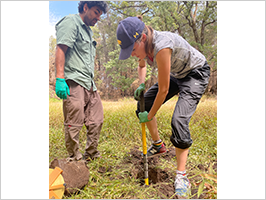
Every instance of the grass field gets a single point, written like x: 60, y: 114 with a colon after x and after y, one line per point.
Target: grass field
x: 121, y: 132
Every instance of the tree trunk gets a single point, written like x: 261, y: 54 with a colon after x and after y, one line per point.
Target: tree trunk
x: 202, y: 38
x: 193, y: 24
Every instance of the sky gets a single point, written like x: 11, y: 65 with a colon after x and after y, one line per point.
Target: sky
x: 59, y: 9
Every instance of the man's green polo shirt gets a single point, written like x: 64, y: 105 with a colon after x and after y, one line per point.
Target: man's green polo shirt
x: 79, y: 58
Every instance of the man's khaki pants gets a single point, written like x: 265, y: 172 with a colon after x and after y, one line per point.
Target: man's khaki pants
x: 82, y: 107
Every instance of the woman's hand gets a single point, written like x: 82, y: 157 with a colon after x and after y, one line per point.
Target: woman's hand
x: 143, y: 117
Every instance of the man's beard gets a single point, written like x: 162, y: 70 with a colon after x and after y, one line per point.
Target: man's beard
x: 90, y: 22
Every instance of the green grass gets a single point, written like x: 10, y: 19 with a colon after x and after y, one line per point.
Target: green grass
x: 121, y: 132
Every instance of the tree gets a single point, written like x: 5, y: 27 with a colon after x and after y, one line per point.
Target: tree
x: 52, y: 47
x: 195, y: 21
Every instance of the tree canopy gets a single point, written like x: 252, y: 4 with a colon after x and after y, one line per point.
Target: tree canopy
x: 195, y: 21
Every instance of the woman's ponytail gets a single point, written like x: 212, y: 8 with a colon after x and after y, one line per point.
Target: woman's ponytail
x: 148, y: 30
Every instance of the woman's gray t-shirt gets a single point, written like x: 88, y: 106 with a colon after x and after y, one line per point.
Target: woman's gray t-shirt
x: 184, y: 57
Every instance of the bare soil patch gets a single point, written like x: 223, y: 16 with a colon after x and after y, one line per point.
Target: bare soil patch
x: 161, y: 179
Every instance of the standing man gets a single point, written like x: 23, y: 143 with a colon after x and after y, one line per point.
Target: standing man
x: 75, y: 54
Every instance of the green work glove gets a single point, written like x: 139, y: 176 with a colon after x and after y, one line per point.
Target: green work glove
x: 138, y: 91
x: 61, y: 88
x: 143, y: 117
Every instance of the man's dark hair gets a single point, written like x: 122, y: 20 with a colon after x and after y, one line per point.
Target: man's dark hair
x: 101, y: 4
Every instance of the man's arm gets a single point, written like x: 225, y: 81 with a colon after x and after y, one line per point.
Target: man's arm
x: 61, y: 87
x: 60, y: 60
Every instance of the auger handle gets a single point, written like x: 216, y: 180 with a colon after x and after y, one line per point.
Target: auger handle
x: 144, y: 145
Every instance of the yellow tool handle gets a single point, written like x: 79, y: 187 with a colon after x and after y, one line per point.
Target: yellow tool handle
x: 145, y: 159
x: 144, y: 139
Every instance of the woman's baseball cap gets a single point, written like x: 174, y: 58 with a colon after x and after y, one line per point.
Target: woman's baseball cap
x: 128, y: 31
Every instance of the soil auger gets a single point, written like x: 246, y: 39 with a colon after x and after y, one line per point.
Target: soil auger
x: 144, y: 145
